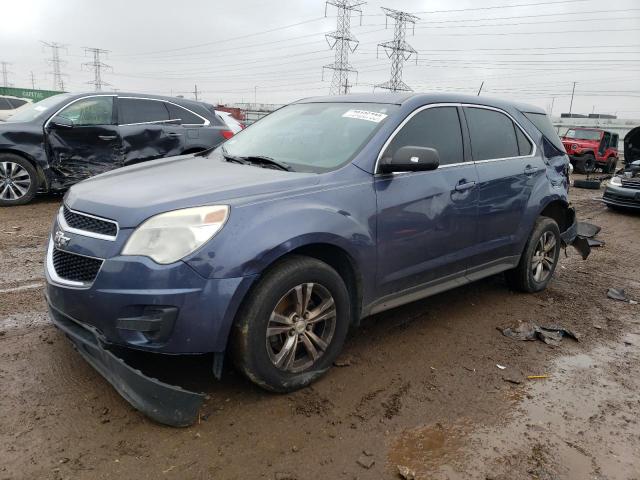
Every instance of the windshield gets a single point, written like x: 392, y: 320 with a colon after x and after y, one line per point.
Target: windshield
x: 311, y: 137
x: 583, y: 134
x: 38, y: 109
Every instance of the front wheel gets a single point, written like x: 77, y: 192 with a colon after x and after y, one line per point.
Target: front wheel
x: 18, y: 180
x: 539, y: 259
x: 586, y: 164
x: 293, y: 325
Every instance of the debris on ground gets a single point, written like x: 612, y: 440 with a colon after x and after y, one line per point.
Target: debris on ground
x: 588, y: 230
x: 343, y: 361
x: 620, y: 295
x: 501, y: 367
x: 406, y: 473
x: 516, y: 380
x: 537, y: 377
x: 549, y: 334
x: 365, y: 461
x: 594, y: 242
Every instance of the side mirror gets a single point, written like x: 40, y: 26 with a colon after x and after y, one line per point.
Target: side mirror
x: 411, y: 159
x: 60, y: 122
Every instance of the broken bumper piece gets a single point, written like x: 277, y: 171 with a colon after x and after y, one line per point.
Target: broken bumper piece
x: 167, y: 404
x: 572, y: 236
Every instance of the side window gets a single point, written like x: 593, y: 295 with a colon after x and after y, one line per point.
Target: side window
x: 438, y: 128
x: 492, y: 133
x: 90, y: 111
x: 16, y: 102
x: 184, y: 115
x: 135, y: 110
x: 524, y: 145
x: 5, y: 105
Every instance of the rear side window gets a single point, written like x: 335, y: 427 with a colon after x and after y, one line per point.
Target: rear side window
x: 16, y: 102
x: 185, y: 116
x: 438, y: 128
x: 5, y: 105
x: 544, y: 125
x: 524, y: 145
x: 134, y: 110
x: 493, y: 134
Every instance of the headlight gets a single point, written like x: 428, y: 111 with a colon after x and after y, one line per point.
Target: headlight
x: 617, y: 181
x: 168, y: 237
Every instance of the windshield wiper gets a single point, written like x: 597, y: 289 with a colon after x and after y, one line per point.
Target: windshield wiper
x: 259, y: 159
x: 234, y: 159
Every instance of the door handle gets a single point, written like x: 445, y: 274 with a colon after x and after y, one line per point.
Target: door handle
x: 107, y: 137
x: 529, y: 170
x: 174, y: 134
x: 462, y: 186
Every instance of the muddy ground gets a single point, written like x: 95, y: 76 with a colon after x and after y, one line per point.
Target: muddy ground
x: 419, y: 386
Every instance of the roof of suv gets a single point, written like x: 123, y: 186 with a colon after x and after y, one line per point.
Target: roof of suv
x: 423, y: 98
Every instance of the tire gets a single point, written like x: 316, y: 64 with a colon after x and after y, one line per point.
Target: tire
x: 611, y: 165
x: 18, y: 180
x: 524, y: 277
x: 273, y: 304
x: 586, y: 164
x: 589, y: 184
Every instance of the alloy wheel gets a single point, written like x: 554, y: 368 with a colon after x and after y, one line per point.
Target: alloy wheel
x: 544, y: 257
x: 301, y: 327
x: 15, y: 181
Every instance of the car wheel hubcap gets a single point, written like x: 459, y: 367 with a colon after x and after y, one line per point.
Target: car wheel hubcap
x: 301, y: 327
x: 544, y: 257
x: 15, y: 181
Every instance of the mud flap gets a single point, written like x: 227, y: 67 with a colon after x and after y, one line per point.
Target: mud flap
x: 164, y: 403
x: 571, y: 237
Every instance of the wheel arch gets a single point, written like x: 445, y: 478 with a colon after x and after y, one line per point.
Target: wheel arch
x: 558, y: 210
x: 42, y: 179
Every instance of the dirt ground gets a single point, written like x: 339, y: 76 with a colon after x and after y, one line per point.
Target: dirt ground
x: 419, y: 386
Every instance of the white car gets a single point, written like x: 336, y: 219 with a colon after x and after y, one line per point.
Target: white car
x: 10, y: 105
x: 234, y: 125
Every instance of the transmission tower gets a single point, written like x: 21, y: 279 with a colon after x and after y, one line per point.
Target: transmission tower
x: 97, y: 65
x: 5, y: 74
x: 398, y: 50
x: 56, y: 63
x: 343, y: 42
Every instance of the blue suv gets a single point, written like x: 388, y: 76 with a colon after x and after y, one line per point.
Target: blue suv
x: 272, y: 246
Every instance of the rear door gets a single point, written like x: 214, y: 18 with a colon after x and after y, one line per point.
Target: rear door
x: 508, y: 169
x: 145, y: 130
x: 196, y: 131
x: 426, y: 221
x: 90, y: 144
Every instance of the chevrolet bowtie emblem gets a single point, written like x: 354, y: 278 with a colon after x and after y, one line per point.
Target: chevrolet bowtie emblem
x: 60, y: 240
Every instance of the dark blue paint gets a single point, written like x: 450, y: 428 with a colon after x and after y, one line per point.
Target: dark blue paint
x: 401, y: 231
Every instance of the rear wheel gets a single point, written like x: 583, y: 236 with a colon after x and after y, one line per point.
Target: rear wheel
x: 611, y: 165
x: 586, y: 164
x: 293, y: 325
x: 18, y: 180
x: 539, y: 259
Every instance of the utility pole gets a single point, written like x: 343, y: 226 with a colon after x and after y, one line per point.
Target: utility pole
x: 398, y: 50
x: 343, y: 42
x: 480, y: 89
x: 255, y: 95
x: 33, y: 81
x: 5, y: 74
x: 573, y: 90
x: 195, y: 92
x: 97, y: 66
x: 553, y: 101
x: 58, y: 82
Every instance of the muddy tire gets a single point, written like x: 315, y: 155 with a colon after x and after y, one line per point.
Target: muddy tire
x: 588, y: 184
x: 292, y: 325
x: 586, y: 164
x: 18, y: 180
x: 539, y: 259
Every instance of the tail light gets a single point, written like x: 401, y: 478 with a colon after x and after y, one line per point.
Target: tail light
x: 227, y: 134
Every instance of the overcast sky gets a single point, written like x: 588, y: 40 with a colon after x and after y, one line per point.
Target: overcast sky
x: 275, y: 50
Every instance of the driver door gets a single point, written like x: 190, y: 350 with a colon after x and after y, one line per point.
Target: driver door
x: 83, y: 140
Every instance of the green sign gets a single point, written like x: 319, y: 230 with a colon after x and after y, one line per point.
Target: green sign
x: 34, y: 95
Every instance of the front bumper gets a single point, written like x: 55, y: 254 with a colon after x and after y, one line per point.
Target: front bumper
x: 164, y: 403
x: 621, y: 197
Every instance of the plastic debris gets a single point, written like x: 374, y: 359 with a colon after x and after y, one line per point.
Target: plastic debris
x: 620, y: 295
x: 588, y: 230
x: 536, y: 377
x: 406, y: 473
x: 549, y: 334
x: 594, y: 242
x: 501, y: 367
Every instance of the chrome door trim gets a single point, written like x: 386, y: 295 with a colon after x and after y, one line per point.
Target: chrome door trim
x: 205, y: 124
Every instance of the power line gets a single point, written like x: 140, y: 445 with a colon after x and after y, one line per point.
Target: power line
x: 343, y: 42
x: 5, y: 74
x: 97, y: 66
x: 58, y: 82
x: 398, y: 50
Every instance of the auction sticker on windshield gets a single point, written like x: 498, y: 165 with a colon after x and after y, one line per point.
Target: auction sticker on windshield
x: 365, y: 115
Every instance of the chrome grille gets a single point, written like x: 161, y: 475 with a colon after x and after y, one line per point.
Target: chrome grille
x: 90, y: 224
x: 633, y: 183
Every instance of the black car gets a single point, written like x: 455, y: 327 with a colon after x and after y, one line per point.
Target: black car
x: 66, y: 138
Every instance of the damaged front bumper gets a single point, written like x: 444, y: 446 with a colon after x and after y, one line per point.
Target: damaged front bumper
x: 571, y: 236
x: 164, y: 403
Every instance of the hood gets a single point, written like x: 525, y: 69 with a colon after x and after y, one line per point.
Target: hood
x: 632, y: 146
x: 132, y: 194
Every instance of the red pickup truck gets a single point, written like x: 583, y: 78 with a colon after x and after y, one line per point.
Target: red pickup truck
x: 591, y: 148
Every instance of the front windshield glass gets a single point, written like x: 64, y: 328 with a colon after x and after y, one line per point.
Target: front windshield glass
x: 583, y: 134
x: 37, y: 109
x: 311, y: 137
